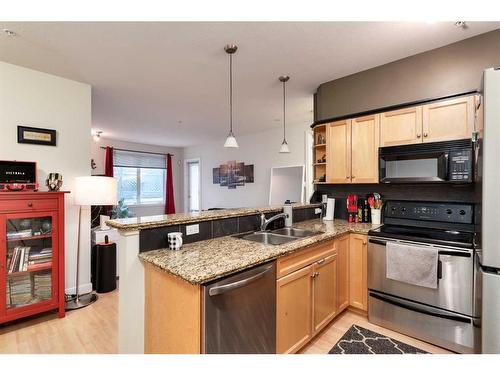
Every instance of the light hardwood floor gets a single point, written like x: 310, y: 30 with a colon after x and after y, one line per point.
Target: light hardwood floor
x: 94, y: 329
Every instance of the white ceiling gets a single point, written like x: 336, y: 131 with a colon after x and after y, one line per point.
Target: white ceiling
x: 166, y: 83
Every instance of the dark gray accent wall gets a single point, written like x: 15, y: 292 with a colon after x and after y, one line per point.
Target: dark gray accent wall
x: 449, y: 70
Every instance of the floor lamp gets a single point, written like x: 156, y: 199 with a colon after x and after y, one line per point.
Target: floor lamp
x: 90, y: 190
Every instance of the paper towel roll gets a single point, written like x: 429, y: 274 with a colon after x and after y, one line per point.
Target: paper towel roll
x: 330, y: 209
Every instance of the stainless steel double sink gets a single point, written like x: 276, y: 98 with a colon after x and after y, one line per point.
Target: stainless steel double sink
x: 277, y: 236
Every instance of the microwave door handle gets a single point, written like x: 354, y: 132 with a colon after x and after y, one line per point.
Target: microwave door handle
x: 447, y: 169
x: 440, y: 270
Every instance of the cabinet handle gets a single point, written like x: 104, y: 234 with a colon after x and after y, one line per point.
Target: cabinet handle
x: 347, y: 177
x: 30, y: 204
x: 425, y: 135
x: 364, y: 242
x: 419, y: 135
x: 320, y: 261
x: 353, y: 176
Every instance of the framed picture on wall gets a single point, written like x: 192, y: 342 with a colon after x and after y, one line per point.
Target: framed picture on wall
x: 36, y: 136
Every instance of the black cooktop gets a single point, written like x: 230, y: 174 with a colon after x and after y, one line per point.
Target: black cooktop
x: 427, y: 235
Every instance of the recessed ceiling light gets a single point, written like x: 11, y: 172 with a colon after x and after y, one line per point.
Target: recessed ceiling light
x: 461, y: 24
x: 9, y: 32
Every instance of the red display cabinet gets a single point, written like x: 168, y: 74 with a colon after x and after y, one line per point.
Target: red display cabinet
x: 31, y: 254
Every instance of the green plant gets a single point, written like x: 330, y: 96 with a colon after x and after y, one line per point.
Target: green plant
x: 120, y: 211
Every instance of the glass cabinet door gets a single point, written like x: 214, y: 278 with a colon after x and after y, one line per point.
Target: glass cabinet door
x: 29, y: 258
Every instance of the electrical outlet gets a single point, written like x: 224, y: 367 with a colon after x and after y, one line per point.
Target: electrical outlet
x: 324, y: 198
x: 192, y: 229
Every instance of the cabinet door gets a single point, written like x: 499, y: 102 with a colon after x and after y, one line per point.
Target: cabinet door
x: 293, y: 310
x: 29, y: 264
x: 324, y: 292
x: 358, y: 272
x: 401, y: 127
x: 364, y: 149
x: 448, y: 119
x: 338, y: 153
x: 342, y: 247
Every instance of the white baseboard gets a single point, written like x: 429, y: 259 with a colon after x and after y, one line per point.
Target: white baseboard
x: 84, y: 288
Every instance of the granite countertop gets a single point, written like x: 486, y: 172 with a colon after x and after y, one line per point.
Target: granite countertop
x: 204, y: 261
x: 146, y: 222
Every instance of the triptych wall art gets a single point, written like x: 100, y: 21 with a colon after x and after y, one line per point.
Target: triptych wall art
x: 233, y: 174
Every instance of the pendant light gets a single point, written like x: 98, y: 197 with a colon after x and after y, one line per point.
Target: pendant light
x: 230, y: 140
x: 284, y: 149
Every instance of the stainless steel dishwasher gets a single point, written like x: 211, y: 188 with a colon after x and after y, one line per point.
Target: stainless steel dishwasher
x: 240, y: 312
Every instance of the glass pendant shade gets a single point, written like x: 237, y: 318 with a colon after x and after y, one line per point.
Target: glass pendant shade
x: 284, y: 149
x: 231, y: 141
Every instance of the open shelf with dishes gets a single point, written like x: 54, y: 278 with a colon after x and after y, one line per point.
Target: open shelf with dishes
x: 31, y: 257
x: 319, y: 153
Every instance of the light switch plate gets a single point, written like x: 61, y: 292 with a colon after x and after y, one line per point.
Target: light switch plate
x: 192, y: 229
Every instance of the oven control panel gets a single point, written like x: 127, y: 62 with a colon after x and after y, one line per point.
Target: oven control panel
x: 431, y: 211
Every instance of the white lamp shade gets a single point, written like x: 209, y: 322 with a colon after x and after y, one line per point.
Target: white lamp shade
x: 95, y: 190
x: 231, y: 141
x: 284, y: 149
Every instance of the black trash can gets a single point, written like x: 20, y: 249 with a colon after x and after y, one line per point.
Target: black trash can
x: 103, y: 270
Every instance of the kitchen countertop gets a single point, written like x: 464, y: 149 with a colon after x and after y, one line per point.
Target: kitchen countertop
x: 204, y: 261
x: 147, y: 222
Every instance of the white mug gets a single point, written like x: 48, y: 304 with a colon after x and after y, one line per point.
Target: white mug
x: 174, y: 240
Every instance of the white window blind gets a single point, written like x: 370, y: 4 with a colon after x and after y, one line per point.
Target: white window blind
x: 138, y: 160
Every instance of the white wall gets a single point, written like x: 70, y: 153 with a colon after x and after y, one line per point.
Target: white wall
x: 98, y: 154
x: 259, y: 149
x: 32, y: 98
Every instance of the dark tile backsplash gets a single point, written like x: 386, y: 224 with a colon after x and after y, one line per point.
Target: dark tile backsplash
x: 205, y: 232
x: 469, y: 193
x: 224, y: 227
x: 156, y: 238
x: 248, y: 223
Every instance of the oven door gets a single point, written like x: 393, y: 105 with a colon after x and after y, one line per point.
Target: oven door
x: 413, y: 167
x: 455, y: 290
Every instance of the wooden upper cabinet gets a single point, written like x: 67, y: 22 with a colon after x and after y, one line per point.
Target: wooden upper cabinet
x: 342, y: 247
x: 338, y: 152
x: 293, y: 310
x: 448, y: 119
x: 358, y: 271
x: 401, y: 127
x: 325, y: 292
x: 364, y: 149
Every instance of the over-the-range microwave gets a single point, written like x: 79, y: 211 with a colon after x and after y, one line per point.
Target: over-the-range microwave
x: 437, y: 162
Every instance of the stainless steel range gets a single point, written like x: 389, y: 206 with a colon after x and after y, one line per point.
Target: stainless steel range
x: 423, y: 274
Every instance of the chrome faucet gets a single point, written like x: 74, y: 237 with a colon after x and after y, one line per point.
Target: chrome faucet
x: 264, y: 223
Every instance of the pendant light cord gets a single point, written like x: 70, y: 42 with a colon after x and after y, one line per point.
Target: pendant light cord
x: 231, y: 94
x: 284, y: 136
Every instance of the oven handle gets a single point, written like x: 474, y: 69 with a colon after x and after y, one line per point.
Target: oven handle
x: 422, y: 310
x: 464, y: 254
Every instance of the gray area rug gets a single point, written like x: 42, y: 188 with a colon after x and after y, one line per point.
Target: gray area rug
x: 359, y: 340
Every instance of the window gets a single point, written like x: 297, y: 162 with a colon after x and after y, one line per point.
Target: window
x: 140, y: 176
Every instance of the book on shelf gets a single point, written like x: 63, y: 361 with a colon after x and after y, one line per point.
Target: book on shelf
x: 20, y: 290
x: 19, y: 260
x: 42, y: 288
x: 38, y: 266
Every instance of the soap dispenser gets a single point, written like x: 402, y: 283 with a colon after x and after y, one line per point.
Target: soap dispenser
x: 288, y: 210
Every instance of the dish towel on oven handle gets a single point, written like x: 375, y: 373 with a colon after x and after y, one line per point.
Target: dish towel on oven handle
x: 416, y: 265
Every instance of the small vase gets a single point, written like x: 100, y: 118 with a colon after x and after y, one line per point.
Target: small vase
x: 54, y: 181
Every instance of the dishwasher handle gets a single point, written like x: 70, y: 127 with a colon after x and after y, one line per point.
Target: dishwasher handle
x: 216, y: 290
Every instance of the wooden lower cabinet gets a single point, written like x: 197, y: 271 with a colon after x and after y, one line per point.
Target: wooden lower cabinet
x: 342, y: 247
x: 324, y: 292
x: 293, y: 310
x: 358, y: 271
x: 306, y: 298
